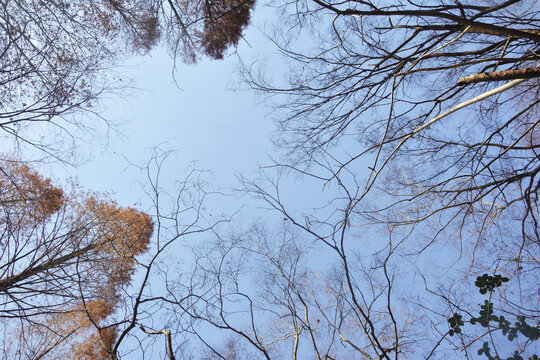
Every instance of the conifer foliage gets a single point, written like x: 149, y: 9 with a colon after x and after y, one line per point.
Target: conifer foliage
x: 224, y: 22
x: 66, y: 258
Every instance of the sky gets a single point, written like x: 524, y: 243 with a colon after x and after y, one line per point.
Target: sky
x: 200, y: 116
x: 205, y: 114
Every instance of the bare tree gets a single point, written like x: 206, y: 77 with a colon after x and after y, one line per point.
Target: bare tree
x: 336, y: 285
x: 424, y: 119
x: 288, y: 291
x: 396, y: 77
x: 181, y: 222
x: 57, y: 60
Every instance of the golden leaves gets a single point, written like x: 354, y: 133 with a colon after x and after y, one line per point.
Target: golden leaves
x: 97, y: 346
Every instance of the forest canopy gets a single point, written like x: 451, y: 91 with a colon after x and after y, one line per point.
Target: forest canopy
x: 65, y: 259
x: 418, y: 122
x: 58, y: 58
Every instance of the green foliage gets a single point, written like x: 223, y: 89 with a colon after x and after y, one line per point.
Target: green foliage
x: 488, y: 319
x: 486, y: 315
x: 455, y: 323
x: 485, y: 350
x: 487, y: 283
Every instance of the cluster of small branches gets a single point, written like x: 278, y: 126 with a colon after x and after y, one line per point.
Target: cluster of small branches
x: 58, y: 59
x: 424, y: 117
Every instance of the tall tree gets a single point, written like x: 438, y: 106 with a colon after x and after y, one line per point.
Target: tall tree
x: 56, y: 59
x: 442, y: 96
x: 424, y: 118
x: 65, y: 261
x: 203, y: 27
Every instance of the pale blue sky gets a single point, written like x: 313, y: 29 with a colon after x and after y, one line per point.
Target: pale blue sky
x: 223, y: 131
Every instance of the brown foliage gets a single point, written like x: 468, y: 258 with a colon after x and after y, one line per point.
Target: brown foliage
x: 225, y: 20
x: 96, y: 346
x: 119, y: 235
x: 65, y: 259
x: 22, y: 188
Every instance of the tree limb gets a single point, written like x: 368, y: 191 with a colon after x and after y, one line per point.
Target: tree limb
x: 528, y: 73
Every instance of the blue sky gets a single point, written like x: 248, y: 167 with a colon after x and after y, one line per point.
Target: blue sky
x: 224, y: 131
x: 202, y: 116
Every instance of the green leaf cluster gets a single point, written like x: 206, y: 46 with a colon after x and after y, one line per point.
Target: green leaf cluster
x: 487, y: 318
x: 487, y: 282
x: 455, y: 324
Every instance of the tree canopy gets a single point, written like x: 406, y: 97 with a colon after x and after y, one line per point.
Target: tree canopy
x: 419, y: 121
x: 424, y: 116
x: 66, y: 258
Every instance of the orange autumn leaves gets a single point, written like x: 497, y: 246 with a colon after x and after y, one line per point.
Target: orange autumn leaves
x: 80, y: 254
x: 84, y: 330
x: 26, y: 195
x: 122, y: 234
